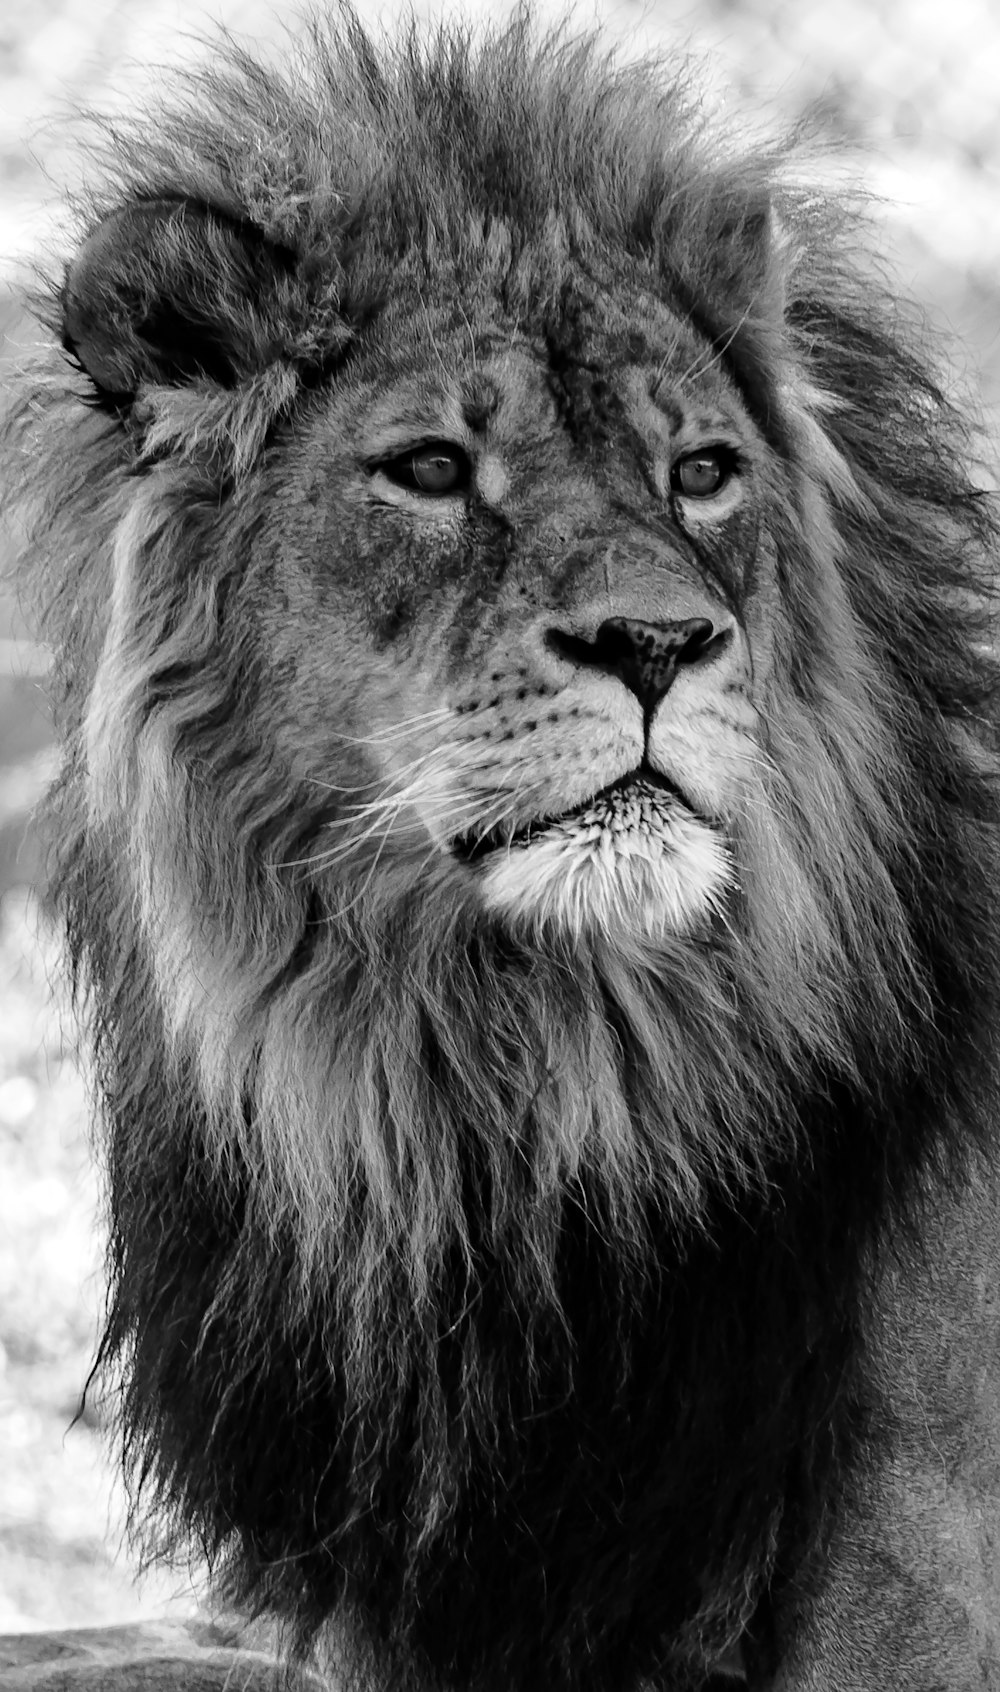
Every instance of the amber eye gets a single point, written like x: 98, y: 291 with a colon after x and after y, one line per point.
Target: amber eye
x: 438, y: 468
x: 699, y: 475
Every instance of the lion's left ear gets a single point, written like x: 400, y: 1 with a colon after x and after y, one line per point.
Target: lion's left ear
x: 730, y: 281
x: 166, y: 290
x: 746, y: 261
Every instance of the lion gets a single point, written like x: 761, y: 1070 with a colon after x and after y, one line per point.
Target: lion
x: 527, y: 842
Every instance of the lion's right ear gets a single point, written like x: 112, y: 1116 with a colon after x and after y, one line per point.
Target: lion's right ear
x: 165, y: 290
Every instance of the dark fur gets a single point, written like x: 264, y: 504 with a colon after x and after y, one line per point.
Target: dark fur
x: 512, y: 1420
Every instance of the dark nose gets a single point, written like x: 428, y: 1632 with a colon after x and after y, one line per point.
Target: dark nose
x: 646, y: 656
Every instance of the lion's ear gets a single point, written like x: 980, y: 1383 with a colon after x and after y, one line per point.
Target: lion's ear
x: 165, y: 290
x: 747, y: 274
x: 729, y: 278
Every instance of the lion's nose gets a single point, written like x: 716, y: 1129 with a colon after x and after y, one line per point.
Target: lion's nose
x: 646, y: 656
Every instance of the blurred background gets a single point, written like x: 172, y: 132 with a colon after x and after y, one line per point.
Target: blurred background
x: 905, y: 89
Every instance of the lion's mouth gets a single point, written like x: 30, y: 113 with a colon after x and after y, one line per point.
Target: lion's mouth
x: 641, y: 803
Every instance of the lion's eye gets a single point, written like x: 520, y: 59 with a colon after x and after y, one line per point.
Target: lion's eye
x: 699, y: 475
x: 434, y: 469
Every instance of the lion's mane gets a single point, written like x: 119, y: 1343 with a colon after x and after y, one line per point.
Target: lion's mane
x: 492, y: 1302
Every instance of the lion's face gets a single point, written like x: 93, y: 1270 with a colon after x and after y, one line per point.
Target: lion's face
x: 538, y: 601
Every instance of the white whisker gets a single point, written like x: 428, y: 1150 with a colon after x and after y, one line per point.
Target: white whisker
x: 396, y: 731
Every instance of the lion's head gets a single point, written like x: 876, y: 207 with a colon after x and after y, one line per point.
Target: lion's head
x: 527, y: 835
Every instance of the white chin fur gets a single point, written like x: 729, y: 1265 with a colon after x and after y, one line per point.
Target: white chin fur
x: 636, y: 860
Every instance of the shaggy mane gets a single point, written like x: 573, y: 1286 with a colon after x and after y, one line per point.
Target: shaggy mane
x: 519, y: 1348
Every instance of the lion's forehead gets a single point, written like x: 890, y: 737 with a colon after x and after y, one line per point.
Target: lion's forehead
x: 450, y: 371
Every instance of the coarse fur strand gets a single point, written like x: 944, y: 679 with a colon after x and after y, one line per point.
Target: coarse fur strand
x: 517, y: 1346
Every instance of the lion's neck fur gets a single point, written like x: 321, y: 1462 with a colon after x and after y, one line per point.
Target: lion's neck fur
x: 371, y: 1064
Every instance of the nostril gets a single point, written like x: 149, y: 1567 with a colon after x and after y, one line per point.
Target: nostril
x: 711, y: 643
x: 702, y: 634
x: 575, y: 648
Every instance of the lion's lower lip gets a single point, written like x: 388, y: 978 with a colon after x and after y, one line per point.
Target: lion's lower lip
x: 610, y: 805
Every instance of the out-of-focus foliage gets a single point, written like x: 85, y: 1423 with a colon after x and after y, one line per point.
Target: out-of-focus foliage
x: 61, y: 1509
